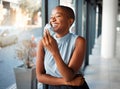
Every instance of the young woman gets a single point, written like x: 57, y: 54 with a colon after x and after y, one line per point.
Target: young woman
x: 60, y: 57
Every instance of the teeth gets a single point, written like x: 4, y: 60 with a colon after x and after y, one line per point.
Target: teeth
x: 54, y: 25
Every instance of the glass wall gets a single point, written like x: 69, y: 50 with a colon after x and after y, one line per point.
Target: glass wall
x: 69, y: 3
x: 20, y: 21
x: 20, y: 12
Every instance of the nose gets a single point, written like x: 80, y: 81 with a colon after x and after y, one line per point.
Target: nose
x: 52, y: 19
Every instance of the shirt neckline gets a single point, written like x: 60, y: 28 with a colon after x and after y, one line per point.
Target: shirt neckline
x: 61, y: 39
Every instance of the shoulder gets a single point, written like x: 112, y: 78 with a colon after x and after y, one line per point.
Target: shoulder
x: 77, y: 37
x: 80, y: 41
x: 40, y: 45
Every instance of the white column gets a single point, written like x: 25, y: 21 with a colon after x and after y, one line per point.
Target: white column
x: 109, y: 21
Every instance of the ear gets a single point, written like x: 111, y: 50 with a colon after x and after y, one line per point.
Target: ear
x: 71, y: 21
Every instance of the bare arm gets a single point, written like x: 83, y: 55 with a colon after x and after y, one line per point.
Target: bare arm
x: 67, y: 71
x: 40, y: 72
x: 48, y: 79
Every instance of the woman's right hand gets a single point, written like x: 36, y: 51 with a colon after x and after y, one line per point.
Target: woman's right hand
x: 49, y: 42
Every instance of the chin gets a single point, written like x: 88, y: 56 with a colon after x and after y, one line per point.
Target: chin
x: 55, y: 29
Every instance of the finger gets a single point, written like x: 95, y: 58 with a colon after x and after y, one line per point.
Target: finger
x: 48, y: 35
x: 45, y: 32
x: 46, y: 38
x: 43, y: 41
x: 82, y: 81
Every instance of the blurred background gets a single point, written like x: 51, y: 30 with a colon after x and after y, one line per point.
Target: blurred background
x: 98, y: 21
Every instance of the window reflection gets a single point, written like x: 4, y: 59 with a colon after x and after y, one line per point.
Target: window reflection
x: 20, y: 12
x: 19, y: 20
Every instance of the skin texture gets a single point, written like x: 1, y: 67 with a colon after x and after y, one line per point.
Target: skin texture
x: 61, y: 24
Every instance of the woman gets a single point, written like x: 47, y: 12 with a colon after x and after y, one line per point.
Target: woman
x: 60, y: 57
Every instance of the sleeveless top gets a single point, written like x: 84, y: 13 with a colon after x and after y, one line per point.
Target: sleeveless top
x: 66, y: 46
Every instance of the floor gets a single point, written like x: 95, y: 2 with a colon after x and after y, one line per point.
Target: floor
x: 101, y: 73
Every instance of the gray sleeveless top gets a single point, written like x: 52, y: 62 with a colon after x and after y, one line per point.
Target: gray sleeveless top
x: 66, y: 46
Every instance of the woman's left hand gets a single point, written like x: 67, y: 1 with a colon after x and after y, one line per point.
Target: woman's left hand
x: 49, y: 42
x: 77, y: 81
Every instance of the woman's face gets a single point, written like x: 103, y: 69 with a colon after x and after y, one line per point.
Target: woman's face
x: 60, y: 21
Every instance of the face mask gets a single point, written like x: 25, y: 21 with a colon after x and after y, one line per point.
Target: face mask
x: 49, y: 28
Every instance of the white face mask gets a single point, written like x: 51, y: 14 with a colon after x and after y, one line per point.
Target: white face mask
x: 49, y: 28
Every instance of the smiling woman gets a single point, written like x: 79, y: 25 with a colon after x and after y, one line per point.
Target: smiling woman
x: 60, y: 57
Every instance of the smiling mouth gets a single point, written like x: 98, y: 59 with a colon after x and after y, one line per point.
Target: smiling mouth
x: 54, y: 25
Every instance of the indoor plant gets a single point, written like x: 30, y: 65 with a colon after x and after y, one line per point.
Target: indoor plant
x: 26, y: 51
x: 25, y: 74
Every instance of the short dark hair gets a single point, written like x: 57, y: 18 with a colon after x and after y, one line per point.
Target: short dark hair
x: 68, y: 10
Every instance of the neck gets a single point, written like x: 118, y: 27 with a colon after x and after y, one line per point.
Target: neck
x: 58, y: 35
